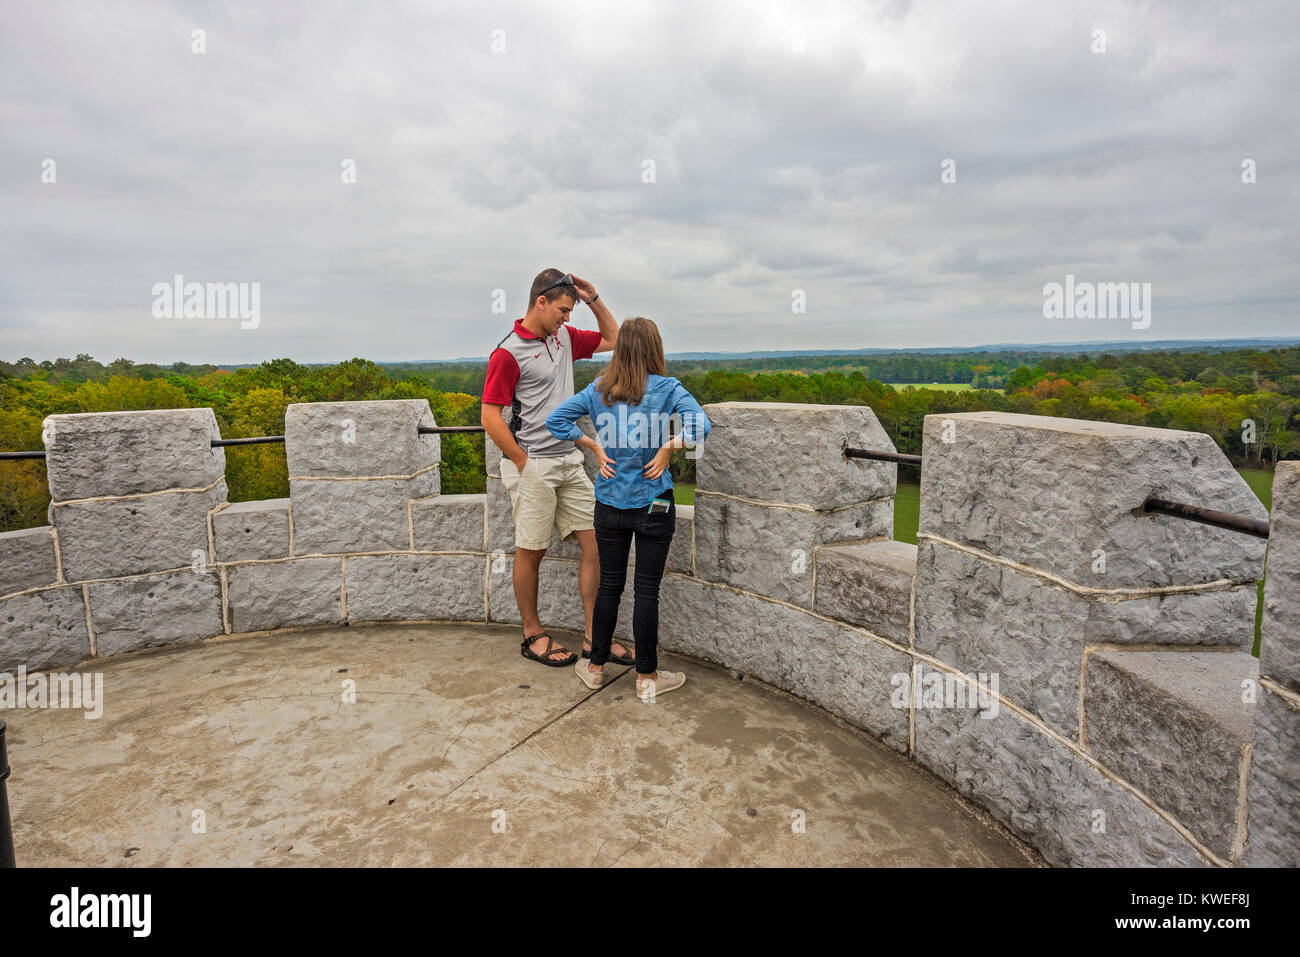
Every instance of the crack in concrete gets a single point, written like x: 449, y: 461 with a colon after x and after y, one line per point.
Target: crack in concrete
x: 457, y: 738
x: 528, y: 737
x: 638, y: 843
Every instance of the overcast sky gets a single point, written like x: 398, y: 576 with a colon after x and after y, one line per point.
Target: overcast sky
x: 796, y: 146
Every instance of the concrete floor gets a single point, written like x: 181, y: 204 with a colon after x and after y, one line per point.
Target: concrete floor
x: 457, y: 751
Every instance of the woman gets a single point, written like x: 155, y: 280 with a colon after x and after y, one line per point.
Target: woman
x: 630, y: 406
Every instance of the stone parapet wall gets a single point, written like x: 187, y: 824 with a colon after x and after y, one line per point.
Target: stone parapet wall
x: 1274, y: 832
x: 1075, y: 666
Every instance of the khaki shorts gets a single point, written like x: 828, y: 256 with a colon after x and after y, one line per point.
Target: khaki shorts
x: 553, y: 494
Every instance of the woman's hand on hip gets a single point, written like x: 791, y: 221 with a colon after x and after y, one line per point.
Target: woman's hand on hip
x: 607, y: 467
x: 655, y: 467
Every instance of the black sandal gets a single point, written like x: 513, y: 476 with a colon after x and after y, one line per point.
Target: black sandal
x: 551, y: 648
x: 631, y: 660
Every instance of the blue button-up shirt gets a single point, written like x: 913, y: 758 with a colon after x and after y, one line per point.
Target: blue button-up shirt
x: 632, y: 434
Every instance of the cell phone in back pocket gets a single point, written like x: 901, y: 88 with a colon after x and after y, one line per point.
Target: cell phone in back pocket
x: 658, y: 506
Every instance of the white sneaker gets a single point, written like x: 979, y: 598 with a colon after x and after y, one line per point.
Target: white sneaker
x: 668, y: 681
x: 594, y: 680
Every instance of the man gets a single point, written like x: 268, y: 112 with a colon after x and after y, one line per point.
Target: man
x: 531, y: 372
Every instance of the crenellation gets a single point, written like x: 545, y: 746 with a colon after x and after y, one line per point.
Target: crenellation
x: 130, y: 492
x: 756, y: 526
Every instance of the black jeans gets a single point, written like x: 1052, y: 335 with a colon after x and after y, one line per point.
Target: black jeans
x: 615, y: 528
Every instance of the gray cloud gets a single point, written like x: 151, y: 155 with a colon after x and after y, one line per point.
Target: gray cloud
x: 776, y: 169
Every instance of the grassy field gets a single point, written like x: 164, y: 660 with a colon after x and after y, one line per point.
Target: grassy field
x: 1261, y: 483
x: 907, y: 507
x: 940, y: 386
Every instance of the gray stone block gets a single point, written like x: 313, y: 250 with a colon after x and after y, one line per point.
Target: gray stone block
x: 500, y: 517
x: 158, y: 610
x: 564, y: 548
x: 362, y: 516
x: 359, y: 438
x: 1273, y: 818
x: 836, y: 667
x: 681, y: 550
x: 90, y: 454
x: 868, y: 585
x: 43, y: 629
x: 27, y: 559
x: 247, y: 531
x: 1173, y: 724
x: 136, y: 535
x: 769, y: 550
x: 978, y: 615
x: 411, y: 587
x: 1043, y: 792
x: 1050, y: 493
x: 1279, y: 643
x: 788, y: 452
x: 304, y: 591
x: 559, y: 600
x: 447, y: 523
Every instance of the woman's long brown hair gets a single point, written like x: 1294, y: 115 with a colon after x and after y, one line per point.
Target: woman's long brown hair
x: 638, y: 354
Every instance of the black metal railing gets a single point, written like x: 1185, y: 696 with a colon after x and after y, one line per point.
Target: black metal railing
x: 254, y: 440
x: 899, y: 457
x: 1208, y: 516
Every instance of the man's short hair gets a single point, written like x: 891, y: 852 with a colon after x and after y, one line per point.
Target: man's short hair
x: 547, y: 278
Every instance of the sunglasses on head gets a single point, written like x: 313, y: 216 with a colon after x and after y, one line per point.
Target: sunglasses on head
x: 565, y: 280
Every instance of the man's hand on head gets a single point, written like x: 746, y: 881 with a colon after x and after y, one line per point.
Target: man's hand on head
x: 586, y: 291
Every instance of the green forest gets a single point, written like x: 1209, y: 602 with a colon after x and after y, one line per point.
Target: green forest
x: 1246, y: 399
